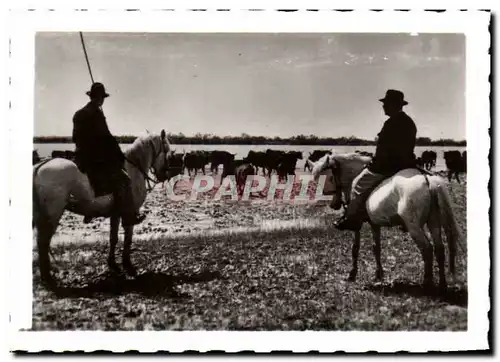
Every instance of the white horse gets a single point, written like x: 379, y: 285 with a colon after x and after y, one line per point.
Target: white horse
x: 59, y: 185
x: 408, y: 198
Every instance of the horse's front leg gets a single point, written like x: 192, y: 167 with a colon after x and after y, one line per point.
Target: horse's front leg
x: 355, y: 253
x: 379, y: 273
x: 113, y: 240
x: 127, y: 243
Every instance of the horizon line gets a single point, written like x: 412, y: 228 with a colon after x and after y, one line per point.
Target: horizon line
x: 247, y: 136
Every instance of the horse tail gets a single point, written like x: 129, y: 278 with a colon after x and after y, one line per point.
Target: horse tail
x: 37, y: 209
x: 41, y: 221
x: 449, y: 223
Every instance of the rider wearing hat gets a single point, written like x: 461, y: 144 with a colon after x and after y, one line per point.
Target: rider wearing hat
x: 98, y: 154
x: 395, y: 152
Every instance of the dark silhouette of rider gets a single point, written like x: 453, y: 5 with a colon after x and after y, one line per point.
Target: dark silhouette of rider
x: 98, y: 154
x: 395, y: 152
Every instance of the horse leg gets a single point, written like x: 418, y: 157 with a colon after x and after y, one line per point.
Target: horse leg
x: 113, y: 240
x: 379, y: 273
x: 355, y: 253
x: 45, y: 231
x: 435, y: 230
x: 456, y: 176
x: 127, y: 264
x: 425, y: 248
x: 450, y: 173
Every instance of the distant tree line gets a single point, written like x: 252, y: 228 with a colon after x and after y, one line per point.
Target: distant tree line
x: 245, y: 139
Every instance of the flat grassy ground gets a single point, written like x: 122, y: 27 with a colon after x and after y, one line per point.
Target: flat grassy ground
x: 275, y: 276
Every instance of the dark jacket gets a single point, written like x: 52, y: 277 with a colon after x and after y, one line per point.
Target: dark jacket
x: 395, y: 145
x: 96, y: 148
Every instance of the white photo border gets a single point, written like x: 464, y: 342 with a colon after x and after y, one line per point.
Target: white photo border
x: 22, y: 26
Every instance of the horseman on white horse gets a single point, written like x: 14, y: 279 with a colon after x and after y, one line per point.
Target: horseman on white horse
x: 390, y: 190
x: 104, y: 182
x: 395, y: 152
x: 98, y: 154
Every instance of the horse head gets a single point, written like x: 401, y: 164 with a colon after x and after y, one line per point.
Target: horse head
x: 162, y: 156
x: 329, y: 166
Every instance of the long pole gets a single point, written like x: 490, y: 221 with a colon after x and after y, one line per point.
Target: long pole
x: 86, y: 57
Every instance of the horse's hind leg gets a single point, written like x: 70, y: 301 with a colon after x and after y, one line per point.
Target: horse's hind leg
x: 379, y: 273
x: 355, y: 254
x: 47, y: 219
x: 434, y: 225
x: 113, y: 240
x: 45, y: 231
x: 127, y: 243
x: 425, y: 248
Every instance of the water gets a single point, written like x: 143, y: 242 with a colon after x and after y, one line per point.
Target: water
x: 45, y: 149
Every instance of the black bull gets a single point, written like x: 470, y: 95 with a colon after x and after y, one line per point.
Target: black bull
x: 240, y: 169
x: 428, y: 159
x: 218, y: 158
x: 196, y: 160
x: 455, y: 163
x: 288, y: 163
x: 257, y: 159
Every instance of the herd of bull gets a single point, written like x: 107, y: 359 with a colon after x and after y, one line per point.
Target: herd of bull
x: 269, y: 161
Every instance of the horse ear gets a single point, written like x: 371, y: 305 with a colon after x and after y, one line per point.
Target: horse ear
x: 163, y: 134
x: 311, y: 164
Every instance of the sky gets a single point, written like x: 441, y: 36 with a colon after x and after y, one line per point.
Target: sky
x: 260, y: 84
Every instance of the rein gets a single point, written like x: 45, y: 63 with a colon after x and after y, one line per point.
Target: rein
x: 145, y: 174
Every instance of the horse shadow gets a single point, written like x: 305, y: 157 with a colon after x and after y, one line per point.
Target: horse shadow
x: 453, y: 295
x: 150, y: 284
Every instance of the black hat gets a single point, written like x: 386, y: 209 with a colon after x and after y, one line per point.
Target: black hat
x: 395, y: 97
x: 97, y: 89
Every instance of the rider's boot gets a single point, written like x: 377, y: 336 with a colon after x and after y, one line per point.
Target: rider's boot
x: 126, y: 208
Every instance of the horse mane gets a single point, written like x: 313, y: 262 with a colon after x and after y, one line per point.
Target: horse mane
x: 351, y: 156
x: 351, y: 165
x: 139, y: 152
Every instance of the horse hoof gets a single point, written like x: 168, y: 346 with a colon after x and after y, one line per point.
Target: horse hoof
x: 352, y: 277
x: 130, y: 270
x: 48, y: 282
x: 114, y: 269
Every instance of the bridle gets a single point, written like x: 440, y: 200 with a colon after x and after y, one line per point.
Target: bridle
x: 152, y: 167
